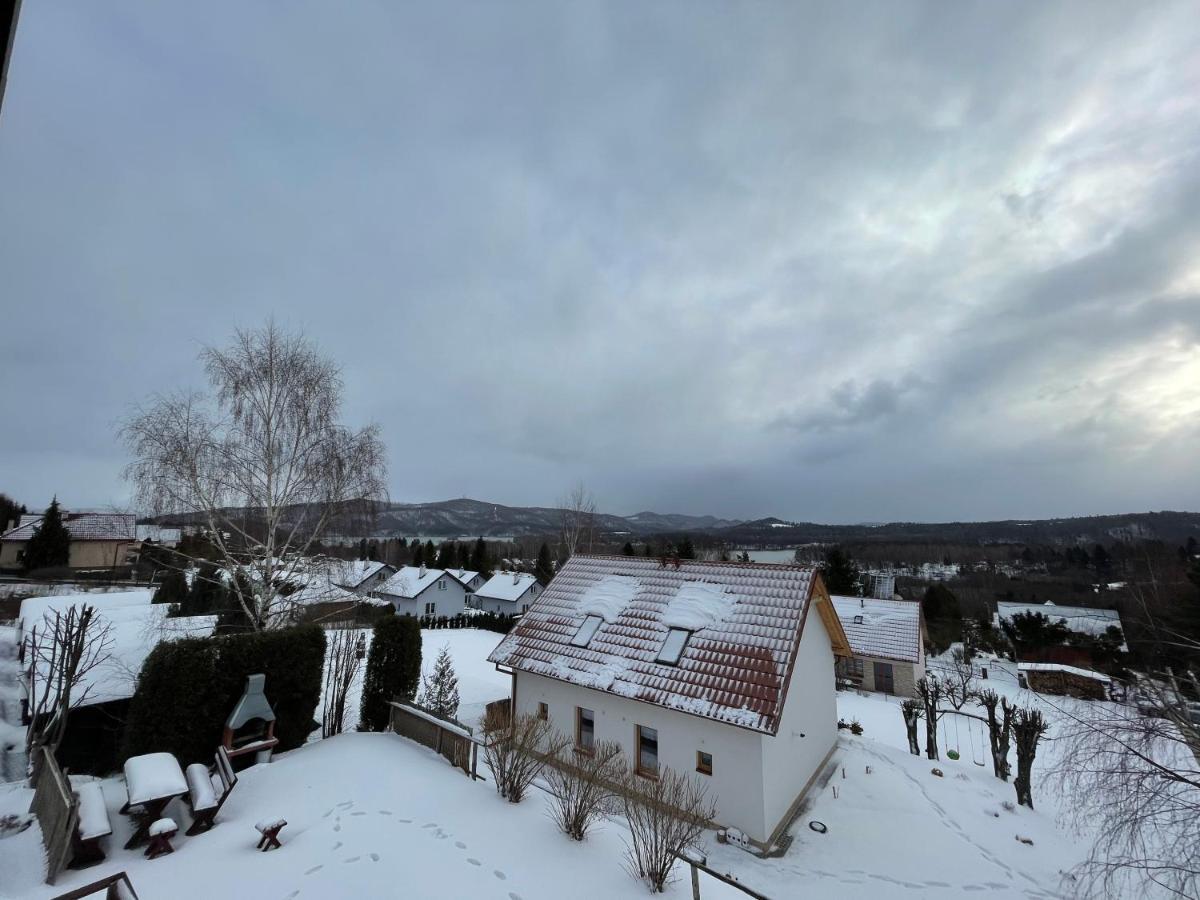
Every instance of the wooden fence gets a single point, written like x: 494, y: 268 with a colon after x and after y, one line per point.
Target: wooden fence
x: 57, y: 811
x: 449, y: 739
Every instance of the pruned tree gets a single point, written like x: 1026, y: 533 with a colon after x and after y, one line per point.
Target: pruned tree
x: 439, y: 689
x: 577, y: 515
x: 959, y: 685
x: 1028, y: 726
x: 582, y: 786
x: 931, y: 690
x: 61, y: 651
x: 515, y: 750
x: 262, y: 462
x: 999, y: 729
x: 912, y: 710
x: 666, y: 816
x: 342, y: 665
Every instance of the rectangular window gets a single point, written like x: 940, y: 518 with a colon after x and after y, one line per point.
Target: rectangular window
x: 647, y: 759
x: 442, y: 585
x: 430, y: 607
x: 583, y: 637
x: 703, y: 762
x: 585, y: 729
x: 525, y: 608
x: 673, y: 645
x: 850, y: 668
x: 543, y: 712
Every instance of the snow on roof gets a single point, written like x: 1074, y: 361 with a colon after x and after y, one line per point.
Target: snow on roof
x: 509, y: 586
x: 409, y: 581
x: 350, y: 573
x: 1081, y: 619
x: 1060, y: 667
x: 888, y: 629
x: 736, y: 670
x: 462, y: 576
x: 135, y: 627
x: 160, y: 533
x: 82, y: 527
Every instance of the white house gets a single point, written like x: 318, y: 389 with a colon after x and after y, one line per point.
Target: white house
x: 361, y: 576
x: 471, y: 581
x: 886, y: 642
x: 507, y: 593
x: 725, y: 670
x: 423, y: 592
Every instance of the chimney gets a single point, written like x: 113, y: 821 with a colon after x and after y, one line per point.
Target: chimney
x: 516, y: 578
x: 422, y: 572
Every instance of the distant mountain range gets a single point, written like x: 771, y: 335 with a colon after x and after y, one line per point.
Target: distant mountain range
x: 453, y: 518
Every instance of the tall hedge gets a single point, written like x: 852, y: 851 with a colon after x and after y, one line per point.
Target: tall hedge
x: 393, y: 668
x: 188, y: 688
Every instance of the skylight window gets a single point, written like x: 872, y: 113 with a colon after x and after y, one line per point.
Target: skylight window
x: 672, y: 647
x: 587, y: 631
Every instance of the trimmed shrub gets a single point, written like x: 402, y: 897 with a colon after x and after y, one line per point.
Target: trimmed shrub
x: 188, y: 688
x: 393, y: 669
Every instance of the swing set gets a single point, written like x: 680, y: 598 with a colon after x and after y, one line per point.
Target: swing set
x: 979, y: 760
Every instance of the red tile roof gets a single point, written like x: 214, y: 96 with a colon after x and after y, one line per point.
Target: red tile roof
x: 736, y: 670
x: 82, y: 526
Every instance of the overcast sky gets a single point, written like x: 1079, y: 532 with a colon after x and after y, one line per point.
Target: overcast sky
x: 900, y: 261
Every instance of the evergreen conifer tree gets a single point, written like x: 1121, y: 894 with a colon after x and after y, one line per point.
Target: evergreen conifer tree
x: 649, y: 550
x: 439, y: 690
x: 447, y: 557
x: 687, y: 550
x: 627, y: 550
x: 207, y: 593
x: 840, y: 573
x: 418, y: 553
x: 393, y: 669
x: 362, y: 548
x: 479, y: 559
x: 430, y: 554
x: 543, y: 570
x: 50, y: 545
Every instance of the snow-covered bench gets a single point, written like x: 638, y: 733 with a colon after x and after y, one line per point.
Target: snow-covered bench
x: 93, y: 823
x: 269, y: 828
x: 208, y: 789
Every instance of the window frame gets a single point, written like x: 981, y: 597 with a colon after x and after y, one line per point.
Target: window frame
x: 543, y: 711
x: 700, y: 766
x: 431, y: 607
x: 638, y: 767
x: 588, y: 749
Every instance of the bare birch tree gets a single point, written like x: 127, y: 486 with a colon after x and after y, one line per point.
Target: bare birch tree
x: 342, y: 665
x: 577, y: 513
x: 61, y: 651
x: 261, y: 462
x: 1132, y: 769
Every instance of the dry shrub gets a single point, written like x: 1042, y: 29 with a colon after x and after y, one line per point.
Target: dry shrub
x: 582, y: 786
x: 515, y: 749
x: 666, y: 816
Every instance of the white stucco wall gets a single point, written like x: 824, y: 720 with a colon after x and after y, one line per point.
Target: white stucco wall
x: 449, y: 601
x: 789, y: 760
x: 737, y: 779
x: 508, y: 607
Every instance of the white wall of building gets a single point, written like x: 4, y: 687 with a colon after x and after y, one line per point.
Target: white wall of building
x: 446, y: 594
x: 508, y: 607
x: 737, y: 779
x: 810, y: 709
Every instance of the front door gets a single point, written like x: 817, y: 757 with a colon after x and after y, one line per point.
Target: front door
x: 883, y: 678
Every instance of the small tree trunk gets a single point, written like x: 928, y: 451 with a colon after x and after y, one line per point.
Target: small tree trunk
x: 1028, y: 726
x: 998, y: 731
x: 911, y: 710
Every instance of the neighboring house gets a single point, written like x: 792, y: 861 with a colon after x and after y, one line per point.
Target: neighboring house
x: 886, y: 643
x: 1063, y: 680
x: 98, y: 540
x: 471, y: 581
x: 1080, y: 619
x: 360, y: 576
x: 724, y: 670
x: 160, y: 534
x: 507, y: 593
x: 420, y: 591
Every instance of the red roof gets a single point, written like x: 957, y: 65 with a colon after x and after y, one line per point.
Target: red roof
x: 82, y: 527
x: 734, y: 669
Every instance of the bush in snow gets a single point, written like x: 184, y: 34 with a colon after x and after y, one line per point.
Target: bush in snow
x: 439, y: 689
x: 515, y: 749
x: 582, y: 786
x: 393, y: 669
x: 666, y: 816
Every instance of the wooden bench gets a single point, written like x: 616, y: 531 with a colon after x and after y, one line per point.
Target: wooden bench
x: 203, y: 796
x: 93, y: 823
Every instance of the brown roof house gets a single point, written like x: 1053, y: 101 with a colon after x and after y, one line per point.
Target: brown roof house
x: 721, y: 669
x: 98, y: 540
x: 886, y: 640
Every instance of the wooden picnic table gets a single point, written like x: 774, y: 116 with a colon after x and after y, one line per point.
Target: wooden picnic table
x: 151, y: 782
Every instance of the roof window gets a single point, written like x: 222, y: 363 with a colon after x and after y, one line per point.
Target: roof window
x: 672, y: 647
x: 583, y: 637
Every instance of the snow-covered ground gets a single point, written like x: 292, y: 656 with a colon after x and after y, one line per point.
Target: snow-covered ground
x: 369, y: 815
